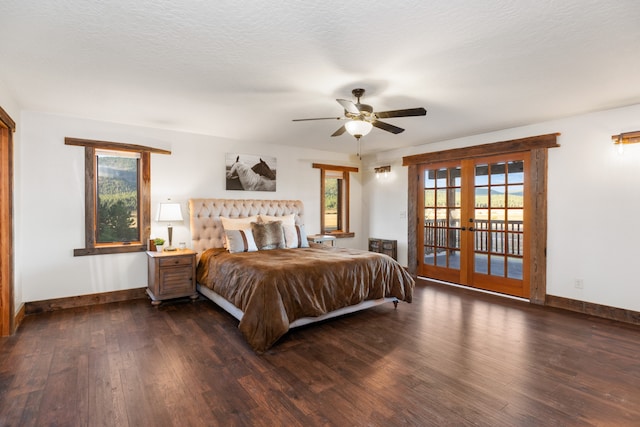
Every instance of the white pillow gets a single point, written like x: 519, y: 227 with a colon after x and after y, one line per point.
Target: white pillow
x: 236, y: 224
x: 294, y: 235
x: 240, y: 241
x: 301, y: 235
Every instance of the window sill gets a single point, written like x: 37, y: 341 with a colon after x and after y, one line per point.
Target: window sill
x: 104, y: 250
x: 340, y: 234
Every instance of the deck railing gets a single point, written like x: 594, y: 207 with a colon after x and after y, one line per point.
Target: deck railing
x: 504, y: 237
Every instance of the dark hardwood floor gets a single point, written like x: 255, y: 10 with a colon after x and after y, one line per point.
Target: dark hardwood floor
x: 452, y: 357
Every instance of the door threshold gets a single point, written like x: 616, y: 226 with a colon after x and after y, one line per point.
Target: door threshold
x: 471, y: 288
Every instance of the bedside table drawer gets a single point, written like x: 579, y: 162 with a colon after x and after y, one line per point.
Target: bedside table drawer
x: 175, y: 261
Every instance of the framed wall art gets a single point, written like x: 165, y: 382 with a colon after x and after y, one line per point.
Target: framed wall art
x: 247, y: 172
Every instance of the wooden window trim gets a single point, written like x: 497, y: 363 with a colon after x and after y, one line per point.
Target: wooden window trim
x: 144, y: 180
x: 484, y: 150
x: 346, y: 196
x: 537, y: 146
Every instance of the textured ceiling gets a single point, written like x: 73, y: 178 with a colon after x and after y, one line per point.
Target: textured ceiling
x: 243, y: 69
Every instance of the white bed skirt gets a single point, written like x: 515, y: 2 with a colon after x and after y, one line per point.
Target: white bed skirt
x: 237, y: 313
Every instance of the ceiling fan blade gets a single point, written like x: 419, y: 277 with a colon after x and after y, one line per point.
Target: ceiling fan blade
x: 318, y: 118
x: 339, y: 131
x: 388, y: 127
x: 402, y: 113
x: 349, y: 106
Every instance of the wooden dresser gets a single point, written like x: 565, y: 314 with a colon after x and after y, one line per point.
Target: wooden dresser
x: 387, y: 247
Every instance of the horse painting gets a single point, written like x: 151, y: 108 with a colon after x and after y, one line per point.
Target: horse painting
x: 262, y: 168
x: 250, y: 180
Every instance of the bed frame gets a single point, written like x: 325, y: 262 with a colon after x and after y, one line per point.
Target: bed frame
x: 207, y: 232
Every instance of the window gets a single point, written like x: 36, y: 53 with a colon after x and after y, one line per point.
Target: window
x: 117, y: 196
x: 334, y: 199
x: 117, y: 191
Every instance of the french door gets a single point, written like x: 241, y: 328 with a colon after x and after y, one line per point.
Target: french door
x: 475, y: 222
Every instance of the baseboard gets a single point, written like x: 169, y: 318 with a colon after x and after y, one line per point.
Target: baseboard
x: 35, y: 307
x: 19, y: 317
x: 589, y: 308
x: 592, y: 309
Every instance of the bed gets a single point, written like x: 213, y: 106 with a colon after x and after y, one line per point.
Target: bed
x: 272, y: 291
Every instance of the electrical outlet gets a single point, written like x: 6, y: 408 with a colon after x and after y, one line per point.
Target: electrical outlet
x: 579, y: 284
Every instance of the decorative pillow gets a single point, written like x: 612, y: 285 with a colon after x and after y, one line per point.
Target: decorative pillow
x: 268, y: 235
x: 236, y: 224
x: 289, y: 227
x: 240, y: 241
x: 301, y: 237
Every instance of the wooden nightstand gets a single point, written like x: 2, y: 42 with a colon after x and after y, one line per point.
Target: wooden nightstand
x: 171, y: 275
x: 322, y: 239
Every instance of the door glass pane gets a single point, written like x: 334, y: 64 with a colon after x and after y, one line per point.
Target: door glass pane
x: 497, y: 265
x: 514, y: 268
x: 497, y: 197
x: 429, y: 215
x: 482, y: 197
x: 455, y: 177
x: 498, y: 174
x: 482, y: 175
x: 497, y: 242
x: 429, y: 179
x: 441, y: 198
x: 454, y: 218
x: 498, y: 216
x: 481, y: 215
x: 429, y: 257
x: 481, y: 264
x: 515, y: 216
x: 516, y: 172
x: 454, y: 260
x: 515, y: 196
x: 455, y: 195
x: 515, y: 244
x: 454, y: 239
x: 429, y: 198
x: 481, y: 235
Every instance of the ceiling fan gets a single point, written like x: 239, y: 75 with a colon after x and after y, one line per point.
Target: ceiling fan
x: 361, y: 117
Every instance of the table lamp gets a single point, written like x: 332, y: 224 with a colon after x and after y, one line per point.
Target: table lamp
x: 169, y: 212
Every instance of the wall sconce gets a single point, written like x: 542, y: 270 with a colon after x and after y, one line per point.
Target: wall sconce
x: 382, y: 170
x: 625, y: 138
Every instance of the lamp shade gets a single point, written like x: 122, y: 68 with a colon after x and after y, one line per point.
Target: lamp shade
x: 358, y: 128
x: 169, y: 212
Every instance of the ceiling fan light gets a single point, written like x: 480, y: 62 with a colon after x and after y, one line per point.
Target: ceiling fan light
x: 358, y: 128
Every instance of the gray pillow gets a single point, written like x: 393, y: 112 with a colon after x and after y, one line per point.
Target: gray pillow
x: 268, y: 235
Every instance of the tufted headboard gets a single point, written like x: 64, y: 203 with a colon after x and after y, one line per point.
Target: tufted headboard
x: 204, y: 217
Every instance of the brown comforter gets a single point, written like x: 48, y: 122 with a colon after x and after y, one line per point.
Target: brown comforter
x: 274, y: 288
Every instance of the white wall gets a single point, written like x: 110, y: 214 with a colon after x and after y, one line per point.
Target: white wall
x: 593, y: 204
x: 52, y: 192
